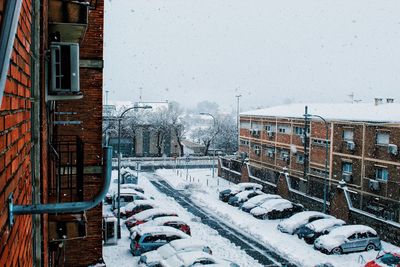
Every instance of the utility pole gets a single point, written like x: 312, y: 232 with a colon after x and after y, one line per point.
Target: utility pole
x: 238, y: 119
x: 107, y: 97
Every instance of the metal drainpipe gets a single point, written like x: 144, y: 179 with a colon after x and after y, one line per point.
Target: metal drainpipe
x: 67, y: 207
x: 35, y: 139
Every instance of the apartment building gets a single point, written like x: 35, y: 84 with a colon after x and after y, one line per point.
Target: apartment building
x: 51, y: 71
x: 362, y: 142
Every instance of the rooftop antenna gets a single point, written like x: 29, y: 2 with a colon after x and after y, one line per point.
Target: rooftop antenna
x: 140, y: 94
x: 107, y: 96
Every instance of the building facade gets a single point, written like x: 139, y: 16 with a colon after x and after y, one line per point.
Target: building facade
x: 50, y: 130
x: 362, y: 142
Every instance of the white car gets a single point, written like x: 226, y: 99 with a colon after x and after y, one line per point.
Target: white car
x: 148, y: 215
x: 189, y: 244
x: 127, y: 195
x: 173, y: 221
x: 348, y: 238
x: 195, y: 258
x: 224, y: 195
x: 292, y: 224
x: 276, y: 209
x: 257, y: 200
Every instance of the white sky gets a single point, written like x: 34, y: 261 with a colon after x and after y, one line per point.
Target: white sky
x: 269, y: 51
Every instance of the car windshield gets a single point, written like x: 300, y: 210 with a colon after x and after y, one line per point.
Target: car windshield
x: 390, y: 259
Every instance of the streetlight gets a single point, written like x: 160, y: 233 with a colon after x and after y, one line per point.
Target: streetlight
x: 212, y: 140
x: 119, y: 165
x: 237, y: 119
x: 306, y: 116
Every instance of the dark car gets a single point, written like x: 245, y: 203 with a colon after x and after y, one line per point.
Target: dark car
x: 224, y: 195
x: 387, y: 259
x: 315, y: 229
x: 241, y: 197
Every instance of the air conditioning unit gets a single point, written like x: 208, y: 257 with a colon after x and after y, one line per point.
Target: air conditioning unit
x: 350, y: 145
x: 64, y: 69
x: 110, y: 230
x: 392, y: 149
x: 374, y: 185
x: 347, y: 177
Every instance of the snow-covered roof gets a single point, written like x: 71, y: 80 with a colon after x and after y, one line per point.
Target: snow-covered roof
x: 160, y: 229
x: 369, y: 112
x: 322, y: 224
x: 183, y: 244
x: 276, y: 204
x: 150, y: 212
x: 291, y: 224
x: 348, y: 230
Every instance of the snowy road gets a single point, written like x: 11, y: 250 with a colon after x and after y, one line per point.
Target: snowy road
x: 251, y: 246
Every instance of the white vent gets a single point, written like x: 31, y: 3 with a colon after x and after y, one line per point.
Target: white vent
x: 374, y: 185
x: 350, y: 145
x: 347, y: 177
x: 392, y: 149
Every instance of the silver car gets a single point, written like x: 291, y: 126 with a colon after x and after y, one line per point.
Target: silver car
x: 348, y: 238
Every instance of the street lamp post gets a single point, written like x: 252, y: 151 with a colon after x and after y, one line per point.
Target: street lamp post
x: 119, y: 167
x: 306, y: 116
x: 212, y: 141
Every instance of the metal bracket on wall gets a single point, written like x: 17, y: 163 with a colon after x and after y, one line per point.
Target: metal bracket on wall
x: 67, y: 207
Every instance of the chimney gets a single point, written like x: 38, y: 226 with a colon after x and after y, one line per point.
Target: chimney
x: 389, y: 100
x: 378, y: 101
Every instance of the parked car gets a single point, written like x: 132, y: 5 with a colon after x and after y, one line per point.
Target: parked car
x: 173, y: 221
x: 292, y: 224
x: 224, y: 195
x: 257, y: 200
x: 276, y: 209
x: 348, y: 238
x: 152, y: 258
x: 132, y: 186
x: 137, y: 206
x: 148, y: 215
x: 195, y: 258
x: 241, y: 197
x: 315, y: 229
x: 127, y: 195
x: 151, y: 238
x: 391, y: 259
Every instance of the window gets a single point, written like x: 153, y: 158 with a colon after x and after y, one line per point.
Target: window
x: 319, y: 142
x: 300, y: 130
x: 300, y: 158
x: 381, y: 174
x: 245, y: 124
x: 347, y: 167
x: 348, y: 135
x: 270, y: 152
x: 382, y: 138
x: 244, y: 142
x: 284, y: 129
x: 284, y: 155
x: 270, y: 128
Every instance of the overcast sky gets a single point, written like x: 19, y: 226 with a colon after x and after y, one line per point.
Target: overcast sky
x: 271, y: 52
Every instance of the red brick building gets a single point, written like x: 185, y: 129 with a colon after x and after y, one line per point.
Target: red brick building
x: 50, y: 129
x: 363, y: 142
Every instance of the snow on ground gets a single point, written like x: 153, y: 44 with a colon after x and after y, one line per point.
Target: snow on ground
x: 120, y: 255
x: 288, y: 246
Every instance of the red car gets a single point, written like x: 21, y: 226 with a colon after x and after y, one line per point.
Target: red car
x: 388, y: 259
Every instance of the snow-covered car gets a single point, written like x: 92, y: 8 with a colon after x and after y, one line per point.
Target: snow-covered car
x: 387, y: 259
x: 127, y: 195
x: 132, y: 186
x: 172, y: 221
x: 224, y: 195
x: 153, y: 258
x: 137, y: 206
x: 348, y: 238
x: 276, y: 209
x: 241, y: 197
x: 148, y: 215
x: 151, y: 238
x: 315, y: 229
x: 257, y: 200
x: 195, y: 258
x: 292, y: 224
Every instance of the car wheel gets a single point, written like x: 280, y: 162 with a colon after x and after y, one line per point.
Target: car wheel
x: 309, y: 241
x: 370, y: 247
x: 336, y: 251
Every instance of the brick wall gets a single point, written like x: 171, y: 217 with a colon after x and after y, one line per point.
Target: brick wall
x: 15, y: 146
